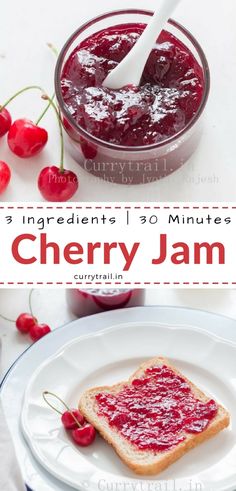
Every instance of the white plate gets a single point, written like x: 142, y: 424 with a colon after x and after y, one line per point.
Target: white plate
x: 108, y: 357
x: 17, y: 378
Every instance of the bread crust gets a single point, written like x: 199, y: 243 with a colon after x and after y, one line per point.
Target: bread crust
x: 154, y: 463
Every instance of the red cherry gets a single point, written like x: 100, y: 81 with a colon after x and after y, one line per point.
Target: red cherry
x: 38, y: 331
x: 26, y: 139
x: 5, y: 121
x: 25, y: 322
x: 55, y: 185
x: 68, y: 420
x: 84, y: 436
x: 5, y: 176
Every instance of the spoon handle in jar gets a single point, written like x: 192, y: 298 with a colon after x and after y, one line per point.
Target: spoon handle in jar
x: 130, y: 69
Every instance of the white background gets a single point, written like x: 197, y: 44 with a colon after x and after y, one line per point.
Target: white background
x: 50, y: 307
x: 27, y: 25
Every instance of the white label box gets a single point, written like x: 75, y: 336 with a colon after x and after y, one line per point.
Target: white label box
x: 162, y: 245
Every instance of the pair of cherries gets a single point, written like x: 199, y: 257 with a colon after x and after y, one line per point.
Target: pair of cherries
x: 27, y: 324
x: 82, y: 432
x: 27, y: 139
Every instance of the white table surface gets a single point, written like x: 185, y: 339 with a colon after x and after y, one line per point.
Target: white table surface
x: 50, y: 307
x: 26, y: 26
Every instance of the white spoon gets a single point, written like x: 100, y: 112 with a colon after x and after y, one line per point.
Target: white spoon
x: 130, y: 69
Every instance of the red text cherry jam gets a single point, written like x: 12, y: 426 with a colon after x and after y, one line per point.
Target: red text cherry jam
x: 157, y: 411
x: 168, y: 97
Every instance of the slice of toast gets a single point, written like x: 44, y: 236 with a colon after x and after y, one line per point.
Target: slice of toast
x: 148, y: 462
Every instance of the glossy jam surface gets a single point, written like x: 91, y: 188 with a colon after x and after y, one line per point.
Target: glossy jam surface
x: 168, y: 97
x: 157, y: 411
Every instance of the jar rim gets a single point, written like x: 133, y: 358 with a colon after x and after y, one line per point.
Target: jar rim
x: 124, y: 148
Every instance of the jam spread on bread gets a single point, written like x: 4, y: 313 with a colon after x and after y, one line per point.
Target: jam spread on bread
x: 169, y: 95
x: 157, y: 411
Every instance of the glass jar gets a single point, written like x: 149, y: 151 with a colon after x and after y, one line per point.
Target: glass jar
x: 124, y: 164
x: 93, y: 300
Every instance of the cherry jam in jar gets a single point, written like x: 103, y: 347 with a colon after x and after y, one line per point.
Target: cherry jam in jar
x: 134, y: 134
x: 94, y: 300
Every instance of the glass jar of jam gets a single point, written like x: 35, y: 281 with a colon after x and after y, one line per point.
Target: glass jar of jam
x: 136, y: 134
x: 94, y: 300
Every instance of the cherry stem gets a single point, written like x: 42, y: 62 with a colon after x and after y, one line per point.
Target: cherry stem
x: 44, y: 111
x: 47, y: 393
x: 30, y: 87
x: 30, y: 304
x: 46, y: 97
x: 30, y: 308
x: 54, y: 50
x: 19, y: 92
x: 6, y: 318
